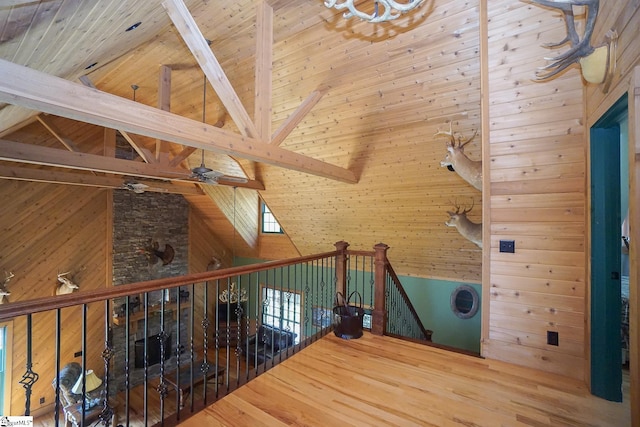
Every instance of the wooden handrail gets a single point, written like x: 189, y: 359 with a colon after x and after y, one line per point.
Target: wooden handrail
x: 406, y: 299
x: 37, y: 305
x: 21, y: 308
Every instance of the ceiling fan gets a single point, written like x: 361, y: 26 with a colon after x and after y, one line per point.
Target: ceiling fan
x: 209, y: 176
x: 202, y: 173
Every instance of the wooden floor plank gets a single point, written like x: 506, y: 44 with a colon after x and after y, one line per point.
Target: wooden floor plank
x: 382, y: 381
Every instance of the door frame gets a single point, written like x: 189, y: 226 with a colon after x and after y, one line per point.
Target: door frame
x: 605, y: 254
x: 634, y: 252
x: 631, y: 86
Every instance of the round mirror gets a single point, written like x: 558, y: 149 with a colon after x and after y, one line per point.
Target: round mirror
x: 464, y: 301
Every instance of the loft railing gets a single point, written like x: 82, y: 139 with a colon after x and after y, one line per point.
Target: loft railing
x: 402, y: 319
x: 209, y: 332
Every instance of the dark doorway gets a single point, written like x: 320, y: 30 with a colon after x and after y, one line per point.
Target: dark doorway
x: 606, y: 241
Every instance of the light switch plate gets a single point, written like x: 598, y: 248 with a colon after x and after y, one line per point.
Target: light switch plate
x: 508, y: 246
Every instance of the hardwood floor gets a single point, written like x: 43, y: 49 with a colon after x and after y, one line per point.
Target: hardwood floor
x: 236, y: 367
x: 382, y: 381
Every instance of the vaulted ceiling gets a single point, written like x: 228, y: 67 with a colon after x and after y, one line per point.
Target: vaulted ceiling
x: 331, y: 121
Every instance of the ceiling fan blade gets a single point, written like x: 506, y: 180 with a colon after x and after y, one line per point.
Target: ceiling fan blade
x: 238, y: 179
x: 212, y: 174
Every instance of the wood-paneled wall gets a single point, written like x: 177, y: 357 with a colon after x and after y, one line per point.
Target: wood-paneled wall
x: 384, y: 132
x: 50, y: 229
x: 537, y: 158
x: 203, y: 245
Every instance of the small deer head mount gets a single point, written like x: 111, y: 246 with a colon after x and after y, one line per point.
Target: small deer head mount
x: 4, y: 292
x: 469, y: 230
x: 153, y: 253
x: 469, y: 170
x: 66, y: 285
x: 214, y: 264
x: 597, y: 63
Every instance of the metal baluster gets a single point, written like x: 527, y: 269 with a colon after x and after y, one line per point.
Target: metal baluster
x: 177, y: 349
x: 239, y: 316
x: 127, y: 373
x: 247, y: 328
x: 107, y: 413
x: 162, y: 386
x: 145, y: 404
x: 217, y: 335
x: 84, y: 362
x: 205, y: 331
x: 357, y: 259
x: 191, y: 342
x: 57, y: 406
x: 348, y: 279
x: 308, y: 299
x: 29, y: 378
x: 372, y: 284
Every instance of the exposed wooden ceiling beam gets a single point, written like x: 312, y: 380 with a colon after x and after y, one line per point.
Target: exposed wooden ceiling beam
x: 45, y: 156
x: 294, y: 119
x: 58, y: 177
x: 197, y: 44
x: 264, y: 61
x: 38, y: 155
x: 53, y: 130
x: 17, y: 126
x: 182, y: 156
x: 39, y: 91
x: 144, y: 154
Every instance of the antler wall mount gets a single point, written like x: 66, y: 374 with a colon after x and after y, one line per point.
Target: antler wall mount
x: 597, y: 64
x: 379, y: 10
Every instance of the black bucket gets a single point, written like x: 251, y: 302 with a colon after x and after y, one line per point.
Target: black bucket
x: 347, y: 319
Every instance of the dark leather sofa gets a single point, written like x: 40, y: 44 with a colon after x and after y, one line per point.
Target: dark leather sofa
x: 268, y: 342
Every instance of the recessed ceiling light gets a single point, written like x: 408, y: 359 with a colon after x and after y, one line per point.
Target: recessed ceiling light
x: 134, y: 26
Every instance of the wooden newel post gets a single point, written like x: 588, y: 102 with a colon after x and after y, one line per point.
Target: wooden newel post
x: 341, y: 267
x: 379, y: 315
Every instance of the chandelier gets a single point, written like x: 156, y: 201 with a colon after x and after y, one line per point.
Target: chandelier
x: 378, y: 10
x: 233, y: 295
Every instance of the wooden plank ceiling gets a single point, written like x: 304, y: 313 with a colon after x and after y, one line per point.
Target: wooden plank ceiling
x: 350, y: 109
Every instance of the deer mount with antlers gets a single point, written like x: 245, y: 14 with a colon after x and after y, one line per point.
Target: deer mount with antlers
x: 66, y: 286
x: 4, y: 292
x: 215, y: 263
x: 153, y: 253
x: 467, y: 169
x: 468, y: 229
x: 597, y: 64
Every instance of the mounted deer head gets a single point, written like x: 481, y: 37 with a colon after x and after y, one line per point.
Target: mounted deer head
x: 469, y: 170
x: 214, y: 264
x: 66, y: 285
x: 597, y: 63
x: 153, y: 254
x: 469, y: 230
x: 4, y: 292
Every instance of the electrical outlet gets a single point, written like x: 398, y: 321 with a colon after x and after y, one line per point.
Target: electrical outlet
x: 77, y: 353
x: 508, y: 246
x: 41, y: 400
x: 552, y: 338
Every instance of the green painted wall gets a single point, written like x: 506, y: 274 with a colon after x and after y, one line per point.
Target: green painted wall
x: 431, y: 299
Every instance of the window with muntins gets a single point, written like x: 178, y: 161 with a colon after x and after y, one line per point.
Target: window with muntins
x: 269, y: 222
x: 282, y: 309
